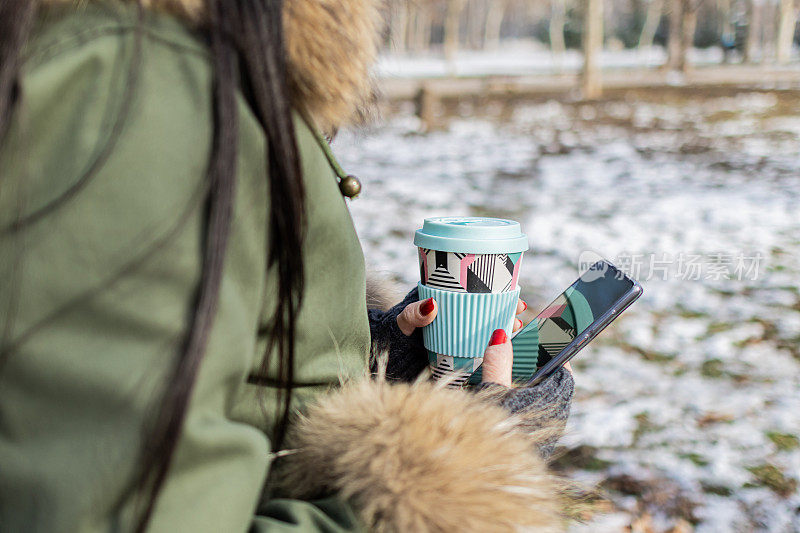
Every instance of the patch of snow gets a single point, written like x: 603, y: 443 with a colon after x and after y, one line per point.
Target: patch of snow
x: 523, y: 57
x: 692, y: 378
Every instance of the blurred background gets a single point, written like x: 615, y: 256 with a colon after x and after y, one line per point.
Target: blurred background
x: 664, y: 135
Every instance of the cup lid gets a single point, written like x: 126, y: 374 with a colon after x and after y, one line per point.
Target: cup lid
x: 471, y: 235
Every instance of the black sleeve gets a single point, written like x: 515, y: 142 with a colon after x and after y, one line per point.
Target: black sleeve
x: 407, y: 356
x: 549, y: 400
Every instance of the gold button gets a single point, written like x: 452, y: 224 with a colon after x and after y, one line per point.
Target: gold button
x: 350, y: 186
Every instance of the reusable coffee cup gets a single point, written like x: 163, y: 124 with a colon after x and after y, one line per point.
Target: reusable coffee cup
x: 470, y: 266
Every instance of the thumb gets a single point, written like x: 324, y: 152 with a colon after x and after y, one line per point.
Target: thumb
x: 417, y: 315
x: 498, y: 359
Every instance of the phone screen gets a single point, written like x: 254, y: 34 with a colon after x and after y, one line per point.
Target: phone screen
x: 587, y: 306
x: 578, y: 307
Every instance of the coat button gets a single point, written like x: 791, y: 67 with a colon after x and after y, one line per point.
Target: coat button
x: 350, y: 186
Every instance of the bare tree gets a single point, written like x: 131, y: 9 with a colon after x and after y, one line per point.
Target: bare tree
x: 752, y: 43
x: 769, y: 29
x: 787, y: 20
x: 475, y: 17
x: 591, y: 78
x: 682, y: 26
x: 654, y: 10
x: 419, y: 30
x: 558, y: 15
x: 688, y: 29
x: 451, y: 31
x: 398, y: 25
x: 674, y: 40
x: 494, y: 21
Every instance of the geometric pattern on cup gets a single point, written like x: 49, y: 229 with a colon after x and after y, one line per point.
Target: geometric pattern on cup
x: 456, y: 369
x: 461, y: 272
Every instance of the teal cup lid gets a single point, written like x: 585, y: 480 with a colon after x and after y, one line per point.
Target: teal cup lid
x: 471, y: 235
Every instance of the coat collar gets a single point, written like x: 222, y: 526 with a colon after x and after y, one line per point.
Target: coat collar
x: 331, y: 45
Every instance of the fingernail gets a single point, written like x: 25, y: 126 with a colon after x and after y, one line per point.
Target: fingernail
x: 524, y: 305
x: 427, y: 307
x: 498, y: 337
x: 518, y: 322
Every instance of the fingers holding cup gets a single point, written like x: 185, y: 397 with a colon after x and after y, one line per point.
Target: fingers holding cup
x: 417, y: 315
x: 521, y: 308
x: 498, y: 359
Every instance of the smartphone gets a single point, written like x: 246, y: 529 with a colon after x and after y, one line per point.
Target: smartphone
x: 579, y: 314
x: 573, y: 319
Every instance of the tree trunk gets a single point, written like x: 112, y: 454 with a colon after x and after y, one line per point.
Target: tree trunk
x: 476, y: 18
x: 557, y: 21
x: 786, y: 24
x: 591, y: 80
x: 675, y: 36
x: 688, y: 27
x: 398, y: 31
x: 420, y: 34
x: 425, y: 103
x: 769, y: 16
x: 651, y: 20
x: 494, y: 21
x: 451, y: 29
x: 753, y: 40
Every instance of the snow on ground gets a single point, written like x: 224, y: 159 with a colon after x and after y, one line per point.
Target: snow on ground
x: 687, y: 409
x: 524, y: 57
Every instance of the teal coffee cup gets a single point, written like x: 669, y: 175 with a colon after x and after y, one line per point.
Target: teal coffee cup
x: 470, y: 266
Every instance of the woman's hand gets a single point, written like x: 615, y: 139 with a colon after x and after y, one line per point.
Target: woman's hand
x: 498, y: 359
x: 416, y: 315
x: 419, y: 314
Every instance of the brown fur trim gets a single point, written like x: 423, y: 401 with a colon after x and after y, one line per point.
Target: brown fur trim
x: 331, y: 46
x: 420, y: 458
x: 382, y: 293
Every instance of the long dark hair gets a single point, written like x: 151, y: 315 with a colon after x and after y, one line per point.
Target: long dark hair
x: 248, y: 54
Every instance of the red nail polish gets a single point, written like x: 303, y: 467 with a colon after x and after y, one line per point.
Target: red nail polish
x: 524, y: 305
x: 498, y: 337
x: 427, y: 307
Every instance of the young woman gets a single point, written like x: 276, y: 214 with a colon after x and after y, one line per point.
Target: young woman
x: 180, y: 272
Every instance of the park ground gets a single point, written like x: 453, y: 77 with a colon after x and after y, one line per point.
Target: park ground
x: 686, y: 409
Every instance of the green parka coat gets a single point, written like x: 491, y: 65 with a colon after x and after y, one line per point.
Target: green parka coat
x: 97, y: 292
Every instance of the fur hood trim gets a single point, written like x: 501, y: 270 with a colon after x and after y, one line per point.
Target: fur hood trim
x: 420, y: 458
x: 331, y: 46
